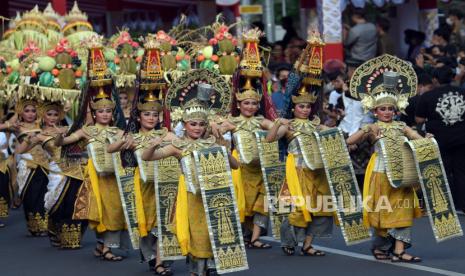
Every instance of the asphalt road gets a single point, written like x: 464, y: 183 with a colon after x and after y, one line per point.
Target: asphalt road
x: 23, y: 256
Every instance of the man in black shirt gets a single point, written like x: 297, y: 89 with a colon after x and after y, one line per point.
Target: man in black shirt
x: 443, y: 111
x: 425, y: 84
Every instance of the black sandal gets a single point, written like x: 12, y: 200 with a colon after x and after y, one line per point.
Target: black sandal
x: 109, y: 256
x: 289, y: 251
x: 398, y: 258
x: 381, y: 255
x: 164, y: 272
x: 316, y: 253
x: 98, y: 251
x: 263, y: 245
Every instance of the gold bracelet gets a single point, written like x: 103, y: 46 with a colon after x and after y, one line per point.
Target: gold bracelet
x: 75, y: 136
x: 278, y: 121
x: 366, y: 129
x: 8, y: 125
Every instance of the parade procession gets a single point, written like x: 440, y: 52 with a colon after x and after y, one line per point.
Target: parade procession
x: 172, y: 148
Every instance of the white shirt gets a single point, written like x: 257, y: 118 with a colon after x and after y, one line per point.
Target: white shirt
x: 354, y: 116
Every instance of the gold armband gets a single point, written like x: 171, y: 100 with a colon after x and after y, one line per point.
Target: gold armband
x: 366, y: 129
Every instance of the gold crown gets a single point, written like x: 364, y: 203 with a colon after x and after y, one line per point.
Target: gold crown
x: 304, y: 96
x: 75, y: 14
x: 101, y: 101
x: 150, y: 103
x: 194, y: 110
x: 248, y: 92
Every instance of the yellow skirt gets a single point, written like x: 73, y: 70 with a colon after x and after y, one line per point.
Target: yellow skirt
x: 148, y: 201
x: 199, y: 244
x: 105, y: 210
x: 388, y: 207
x: 254, y: 190
x: 314, y: 185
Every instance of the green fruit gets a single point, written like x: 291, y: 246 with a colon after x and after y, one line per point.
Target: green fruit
x: 165, y: 47
x: 207, y: 52
x: 128, y: 65
x: 168, y: 62
x: 228, y: 65
x: 14, y: 64
x: 183, y: 65
x: 112, y: 66
x: 109, y: 54
x: 208, y: 64
x: 46, y: 79
x: 140, y: 52
x: 67, y: 79
x: 63, y: 58
x: 180, y: 52
x: 226, y: 46
x: 46, y: 64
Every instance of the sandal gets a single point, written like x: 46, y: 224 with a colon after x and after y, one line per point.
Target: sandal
x: 109, y: 256
x: 98, y: 250
x: 398, y: 258
x: 289, y: 251
x: 315, y: 253
x: 212, y: 272
x: 2, y: 225
x: 253, y: 245
x: 380, y: 255
x: 163, y: 272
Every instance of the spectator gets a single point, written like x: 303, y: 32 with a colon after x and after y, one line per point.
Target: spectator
x: 279, y: 87
x: 293, y: 50
x: 441, y: 38
x: 457, y: 36
x: 460, y: 73
x: 277, y: 55
x: 361, y: 40
x: 288, y: 24
x: 385, y: 44
x: 425, y: 84
x: 443, y: 112
x: 414, y: 39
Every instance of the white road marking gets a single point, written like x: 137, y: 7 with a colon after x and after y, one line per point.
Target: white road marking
x: 370, y: 258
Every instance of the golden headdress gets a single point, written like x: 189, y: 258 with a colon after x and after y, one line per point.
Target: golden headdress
x: 194, y: 110
x: 248, y: 92
x: 384, y: 80
x: 45, y: 106
x: 102, y: 101
x: 251, y: 65
x: 211, y: 91
x: 151, y: 70
x: 309, y: 67
x: 149, y: 103
x: 21, y: 103
x: 97, y: 68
